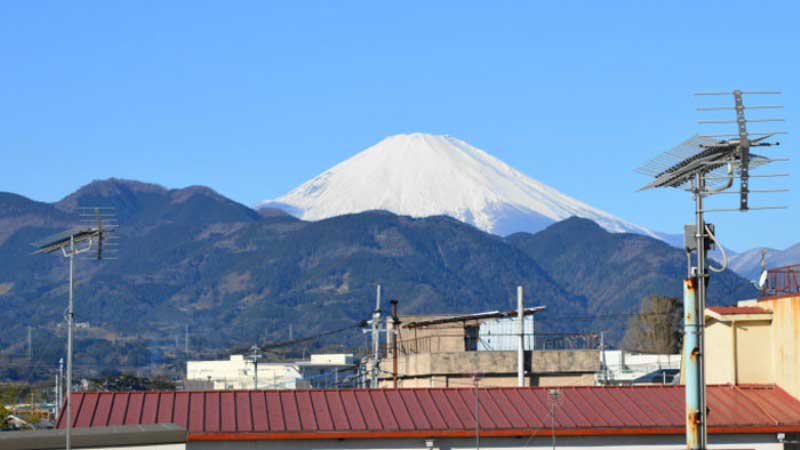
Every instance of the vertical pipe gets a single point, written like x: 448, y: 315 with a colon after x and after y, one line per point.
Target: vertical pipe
x: 376, y: 339
x: 60, y: 384
x: 521, y: 343
x: 395, y: 332
x: 691, y: 354
x: 735, y: 353
x: 603, y: 356
x: 70, y: 327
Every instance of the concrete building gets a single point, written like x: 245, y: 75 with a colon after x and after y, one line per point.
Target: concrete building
x: 447, y: 351
x: 629, y: 417
x: 238, y: 373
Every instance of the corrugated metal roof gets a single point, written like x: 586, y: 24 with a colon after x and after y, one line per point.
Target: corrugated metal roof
x: 443, y: 412
x: 728, y: 310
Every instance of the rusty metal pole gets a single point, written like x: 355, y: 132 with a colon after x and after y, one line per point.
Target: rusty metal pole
x: 691, y: 353
x: 395, y: 332
x: 698, y: 350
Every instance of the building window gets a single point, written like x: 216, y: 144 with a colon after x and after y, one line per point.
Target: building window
x: 471, y: 333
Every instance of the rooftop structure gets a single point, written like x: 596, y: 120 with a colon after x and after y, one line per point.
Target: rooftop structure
x: 448, y: 350
x: 782, y: 281
x: 756, y: 341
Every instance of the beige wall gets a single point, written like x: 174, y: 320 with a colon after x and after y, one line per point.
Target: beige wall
x: 719, y: 354
x: 545, y: 361
x: 754, y: 358
x: 567, y: 379
x: 743, y: 358
x: 556, y: 380
x: 554, y: 367
x: 786, y: 342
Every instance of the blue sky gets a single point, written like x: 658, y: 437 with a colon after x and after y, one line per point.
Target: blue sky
x: 253, y: 98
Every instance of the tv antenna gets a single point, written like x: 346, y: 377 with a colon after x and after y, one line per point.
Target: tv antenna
x: 708, y: 165
x: 70, y: 244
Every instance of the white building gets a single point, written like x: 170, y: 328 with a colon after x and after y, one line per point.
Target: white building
x: 239, y: 373
x: 621, y: 367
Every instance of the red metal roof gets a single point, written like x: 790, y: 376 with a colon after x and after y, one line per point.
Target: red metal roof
x: 443, y: 412
x: 727, y: 310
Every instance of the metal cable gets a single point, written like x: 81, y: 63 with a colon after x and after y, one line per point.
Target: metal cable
x: 721, y: 249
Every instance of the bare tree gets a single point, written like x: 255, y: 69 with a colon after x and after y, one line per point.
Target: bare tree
x: 657, y: 327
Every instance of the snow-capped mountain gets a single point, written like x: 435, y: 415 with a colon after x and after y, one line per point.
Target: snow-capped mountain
x: 424, y: 175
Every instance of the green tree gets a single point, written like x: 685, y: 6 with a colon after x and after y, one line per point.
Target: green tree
x: 657, y: 326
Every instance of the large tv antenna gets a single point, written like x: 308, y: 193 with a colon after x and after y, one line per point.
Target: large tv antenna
x: 92, y: 236
x: 708, y: 165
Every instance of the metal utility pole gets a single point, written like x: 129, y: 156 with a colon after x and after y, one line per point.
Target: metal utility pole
x: 707, y: 166
x: 521, y: 343
x: 186, y: 341
x: 694, y: 327
x: 70, y: 330
x: 59, y: 386
x: 376, y: 340
x: 395, y: 333
x: 254, y: 356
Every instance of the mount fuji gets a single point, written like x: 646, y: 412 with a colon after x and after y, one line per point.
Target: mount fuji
x: 422, y: 175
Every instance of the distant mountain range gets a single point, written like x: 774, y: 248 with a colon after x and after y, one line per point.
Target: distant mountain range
x: 748, y: 263
x: 236, y: 276
x: 423, y: 175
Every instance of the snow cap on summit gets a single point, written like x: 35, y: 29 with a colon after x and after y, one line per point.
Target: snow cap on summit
x: 424, y: 175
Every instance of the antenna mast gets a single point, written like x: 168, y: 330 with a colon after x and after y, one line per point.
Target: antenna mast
x: 706, y: 166
x: 69, y: 244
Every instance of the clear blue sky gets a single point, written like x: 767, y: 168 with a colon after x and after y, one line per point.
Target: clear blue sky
x: 253, y: 98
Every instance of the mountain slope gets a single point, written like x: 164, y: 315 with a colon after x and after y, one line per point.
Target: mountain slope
x: 134, y: 201
x: 237, y: 277
x: 192, y: 257
x: 424, y: 175
x: 614, y: 271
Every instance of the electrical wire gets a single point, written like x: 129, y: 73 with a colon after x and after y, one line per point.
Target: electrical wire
x: 721, y: 249
x: 314, y: 337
